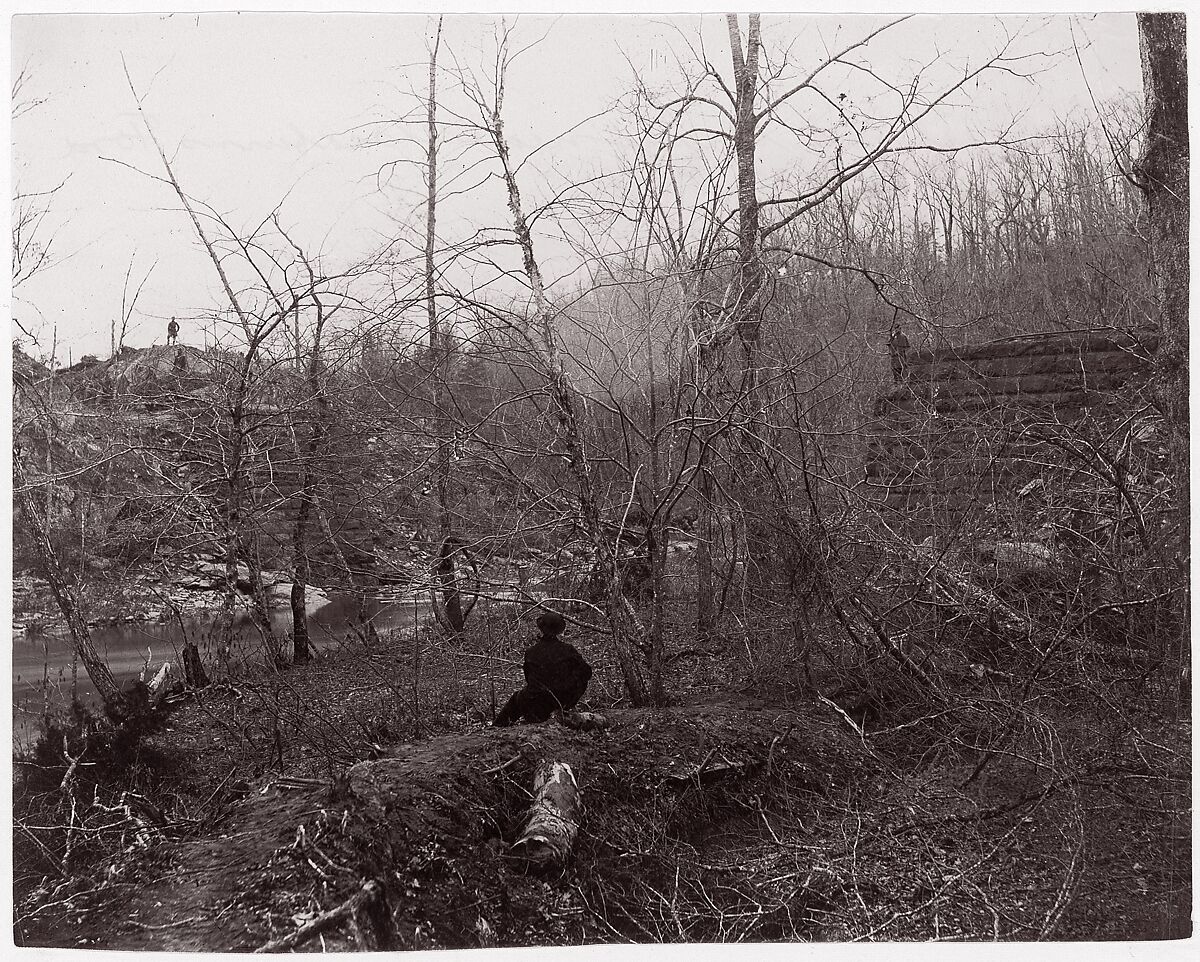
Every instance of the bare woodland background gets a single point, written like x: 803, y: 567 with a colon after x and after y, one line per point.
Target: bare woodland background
x: 670, y: 446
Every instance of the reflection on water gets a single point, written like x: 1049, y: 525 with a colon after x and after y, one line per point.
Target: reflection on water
x: 125, y: 648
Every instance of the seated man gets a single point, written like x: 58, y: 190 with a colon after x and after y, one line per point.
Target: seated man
x: 556, y: 676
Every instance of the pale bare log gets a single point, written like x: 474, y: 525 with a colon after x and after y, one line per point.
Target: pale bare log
x: 158, y: 684
x: 949, y: 587
x: 553, y: 821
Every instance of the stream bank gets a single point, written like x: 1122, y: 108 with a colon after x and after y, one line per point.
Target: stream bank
x: 709, y: 821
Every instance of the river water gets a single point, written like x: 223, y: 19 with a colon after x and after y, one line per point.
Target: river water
x: 42, y: 663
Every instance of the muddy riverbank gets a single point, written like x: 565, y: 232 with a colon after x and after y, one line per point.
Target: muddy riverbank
x: 46, y: 676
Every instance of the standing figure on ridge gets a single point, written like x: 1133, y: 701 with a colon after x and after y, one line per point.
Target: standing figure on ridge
x: 556, y: 676
x: 172, y: 331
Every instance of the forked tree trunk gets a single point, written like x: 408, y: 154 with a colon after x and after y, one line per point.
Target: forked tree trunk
x: 359, y: 590
x: 301, y: 644
x: 256, y: 332
x: 706, y: 609
x: 440, y: 351
x: 750, y: 292
x: 628, y: 633
x: 260, y: 604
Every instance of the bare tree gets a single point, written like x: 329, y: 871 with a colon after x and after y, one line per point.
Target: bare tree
x: 61, y: 584
x: 1164, y: 174
x: 765, y: 95
x: 540, y: 333
x: 441, y: 349
x: 116, y: 339
x: 32, y: 244
x: 256, y: 327
x: 316, y: 394
x: 31, y: 254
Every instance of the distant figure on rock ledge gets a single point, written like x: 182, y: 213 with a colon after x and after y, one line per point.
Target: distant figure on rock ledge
x: 172, y: 331
x: 180, y: 362
x: 898, y: 353
x: 556, y: 676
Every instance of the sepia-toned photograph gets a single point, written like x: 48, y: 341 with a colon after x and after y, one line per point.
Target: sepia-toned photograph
x: 498, y: 480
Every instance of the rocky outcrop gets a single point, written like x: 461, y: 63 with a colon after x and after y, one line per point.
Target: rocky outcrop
x: 202, y: 574
x: 171, y: 402
x: 144, y: 595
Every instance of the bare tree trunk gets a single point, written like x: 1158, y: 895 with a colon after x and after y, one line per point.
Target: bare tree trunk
x: 235, y: 488
x: 1164, y: 173
x: 233, y: 524
x: 301, y: 646
x: 440, y: 351
x: 706, y: 611
x: 52, y: 571
x: 657, y: 548
x: 748, y: 308
x: 1163, y: 170
x: 706, y: 523
x: 255, y: 334
x: 628, y: 634
x: 360, y: 591
x: 260, y: 604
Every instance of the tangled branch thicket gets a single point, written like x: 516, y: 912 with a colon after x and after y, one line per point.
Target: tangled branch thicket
x: 965, y: 585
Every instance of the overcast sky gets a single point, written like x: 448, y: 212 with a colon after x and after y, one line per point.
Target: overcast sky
x: 256, y: 108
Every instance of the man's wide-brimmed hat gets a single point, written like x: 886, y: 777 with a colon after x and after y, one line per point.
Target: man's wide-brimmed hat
x: 551, y: 623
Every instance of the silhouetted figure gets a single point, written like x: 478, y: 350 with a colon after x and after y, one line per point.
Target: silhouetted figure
x: 172, y: 331
x: 556, y: 676
x: 898, y: 353
x: 180, y: 362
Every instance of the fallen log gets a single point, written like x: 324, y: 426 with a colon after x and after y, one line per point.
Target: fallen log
x: 859, y: 628
x: 348, y: 910
x: 553, y: 819
x: 158, y: 684
x: 955, y: 589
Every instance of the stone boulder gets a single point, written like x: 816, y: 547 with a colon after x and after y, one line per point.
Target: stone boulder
x: 280, y: 594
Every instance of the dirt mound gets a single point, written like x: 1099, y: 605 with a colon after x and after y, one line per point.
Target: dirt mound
x: 432, y: 824
x: 654, y: 779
